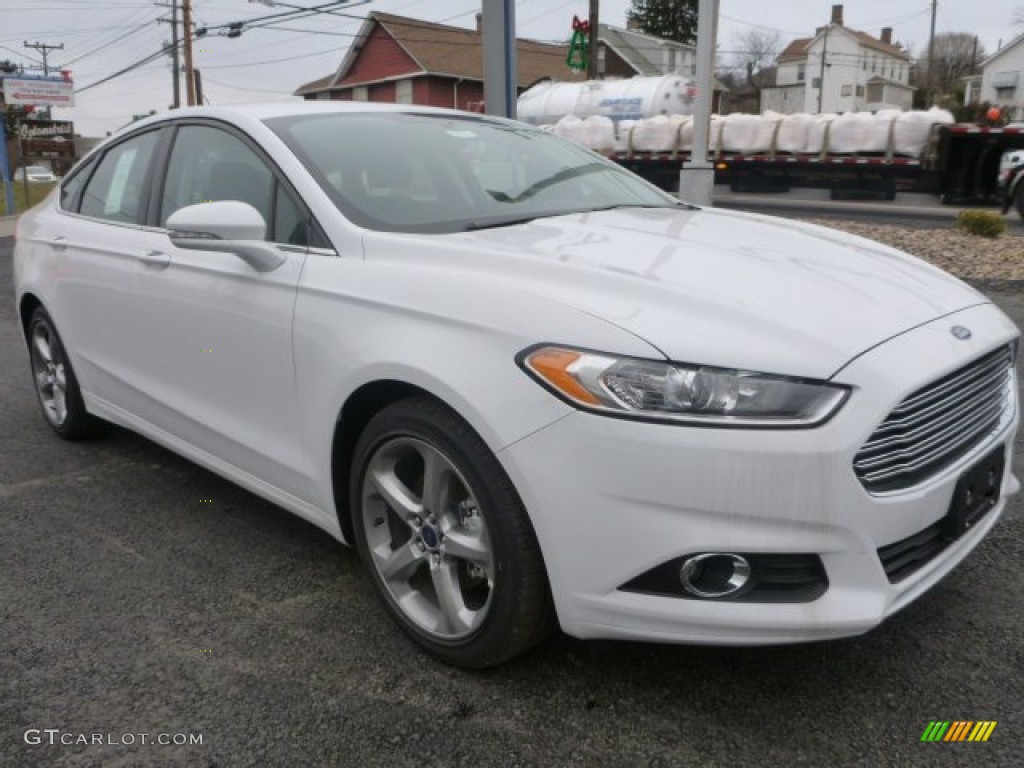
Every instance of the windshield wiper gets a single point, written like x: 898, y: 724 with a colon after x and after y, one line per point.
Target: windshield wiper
x: 490, y: 224
x: 670, y: 206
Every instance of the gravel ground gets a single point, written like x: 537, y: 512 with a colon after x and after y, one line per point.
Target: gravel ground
x: 988, y: 261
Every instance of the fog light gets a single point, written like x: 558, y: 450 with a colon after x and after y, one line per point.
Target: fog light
x: 714, y: 574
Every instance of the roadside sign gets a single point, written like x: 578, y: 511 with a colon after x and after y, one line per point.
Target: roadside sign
x: 39, y: 91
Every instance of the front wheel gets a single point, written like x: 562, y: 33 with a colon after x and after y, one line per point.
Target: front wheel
x: 446, y: 538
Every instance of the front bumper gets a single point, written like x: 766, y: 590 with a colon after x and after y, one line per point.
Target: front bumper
x: 611, y: 499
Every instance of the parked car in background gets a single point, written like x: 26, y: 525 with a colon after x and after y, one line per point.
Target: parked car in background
x: 35, y: 173
x: 1011, y: 172
x: 527, y: 385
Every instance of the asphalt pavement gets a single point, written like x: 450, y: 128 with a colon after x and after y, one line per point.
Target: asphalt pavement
x: 140, y: 594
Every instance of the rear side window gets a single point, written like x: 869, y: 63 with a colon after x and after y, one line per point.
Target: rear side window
x: 117, y: 191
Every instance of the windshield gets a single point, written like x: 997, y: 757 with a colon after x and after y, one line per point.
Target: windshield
x: 423, y: 173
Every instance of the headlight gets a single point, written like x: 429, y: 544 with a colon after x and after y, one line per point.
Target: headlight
x: 671, y: 392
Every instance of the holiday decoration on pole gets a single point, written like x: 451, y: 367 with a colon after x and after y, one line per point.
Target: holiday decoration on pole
x: 579, y: 46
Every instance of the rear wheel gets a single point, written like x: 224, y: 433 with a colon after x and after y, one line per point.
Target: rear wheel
x: 446, y: 538
x: 55, y: 382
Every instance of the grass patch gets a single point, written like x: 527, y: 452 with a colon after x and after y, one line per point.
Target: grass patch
x: 36, y: 193
x: 982, y: 223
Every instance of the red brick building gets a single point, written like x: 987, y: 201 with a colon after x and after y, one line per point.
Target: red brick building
x: 408, y: 61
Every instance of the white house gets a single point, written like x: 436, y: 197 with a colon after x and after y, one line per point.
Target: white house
x: 840, y: 70
x: 1002, y: 78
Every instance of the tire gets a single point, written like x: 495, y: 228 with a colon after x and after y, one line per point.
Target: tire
x: 455, y: 560
x: 1020, y: 197
x: 55, y: 382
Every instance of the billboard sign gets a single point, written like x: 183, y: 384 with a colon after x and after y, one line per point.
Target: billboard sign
x: 47, y: 138
x: 39, y: 91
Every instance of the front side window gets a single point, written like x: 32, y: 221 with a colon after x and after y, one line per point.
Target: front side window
x: 118, y: 190
x: 207, y: 165
x: 402, y: 172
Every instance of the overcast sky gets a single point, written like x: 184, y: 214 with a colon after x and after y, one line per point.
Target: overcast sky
x: 103, y: 36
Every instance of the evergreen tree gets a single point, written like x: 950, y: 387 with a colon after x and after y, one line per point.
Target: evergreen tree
x: 670, y: 19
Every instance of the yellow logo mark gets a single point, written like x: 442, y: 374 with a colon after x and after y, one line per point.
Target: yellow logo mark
x: 959, y: 730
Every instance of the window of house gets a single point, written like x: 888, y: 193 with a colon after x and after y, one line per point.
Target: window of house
x: 403, y: 92
x: 801, y: 72
x: 846, y: 90
x: 875, y: 93
x: 816, y: 82
x: 359, y: 93
x: 860, y: 91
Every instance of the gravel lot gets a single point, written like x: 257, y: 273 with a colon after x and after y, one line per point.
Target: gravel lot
x: 990, y: 261
x: 141, y: 594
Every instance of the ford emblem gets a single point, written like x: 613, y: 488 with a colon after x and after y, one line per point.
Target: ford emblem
x: 960, y: 332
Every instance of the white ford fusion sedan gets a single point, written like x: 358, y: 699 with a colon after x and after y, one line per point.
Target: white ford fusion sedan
x: 528, y: 386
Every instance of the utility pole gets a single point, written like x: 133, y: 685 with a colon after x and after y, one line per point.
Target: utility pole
x: 175, y: 63
x: 190, y: 80
x: 174, y: 52
x: 931, y: 55
x: 45, y: 49
x: 595, y: 22
x: 821, y: 74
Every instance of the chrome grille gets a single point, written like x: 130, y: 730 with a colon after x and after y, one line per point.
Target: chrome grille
x: 936, y: 425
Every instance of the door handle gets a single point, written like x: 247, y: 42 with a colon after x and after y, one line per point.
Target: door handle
x: 58, y: 243
x: 157, y: 259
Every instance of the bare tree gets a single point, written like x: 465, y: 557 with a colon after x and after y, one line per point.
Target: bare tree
x: 957, y: 55
x: 753, y: 52
x: 1018, y: 16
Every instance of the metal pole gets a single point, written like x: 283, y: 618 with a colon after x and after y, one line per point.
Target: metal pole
x: 499, y: 38
x: 697, y: 177
x: 190, y: 81
x: 5, y: 170
x: 175, y: 63
x: 931, y: 55
x: 595, y: 23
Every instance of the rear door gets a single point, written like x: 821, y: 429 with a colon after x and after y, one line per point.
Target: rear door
x: 96, y: 249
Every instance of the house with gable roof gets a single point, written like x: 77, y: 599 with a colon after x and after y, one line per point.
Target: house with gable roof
x: 408, y: 61
x: 840, y: 70
x: 1002, y: 79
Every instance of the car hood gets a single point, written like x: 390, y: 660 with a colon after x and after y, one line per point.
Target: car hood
x: 721, y: 288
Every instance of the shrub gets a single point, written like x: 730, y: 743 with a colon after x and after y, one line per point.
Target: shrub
x: 983, y: 223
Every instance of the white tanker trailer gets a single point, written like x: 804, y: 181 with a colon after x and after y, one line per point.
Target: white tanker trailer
x: 627, y: 99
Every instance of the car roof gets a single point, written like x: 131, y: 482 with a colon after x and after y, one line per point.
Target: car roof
x: 265, y: 111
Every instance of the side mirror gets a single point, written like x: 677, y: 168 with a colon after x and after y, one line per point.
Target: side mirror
x: 227, y: 225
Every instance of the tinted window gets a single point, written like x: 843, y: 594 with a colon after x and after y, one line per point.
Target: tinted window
x: 117, y: 190
x: 207, y: 165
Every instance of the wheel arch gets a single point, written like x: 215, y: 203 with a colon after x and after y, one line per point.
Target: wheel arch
x: 27, y: 306
x: 361, y: 406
